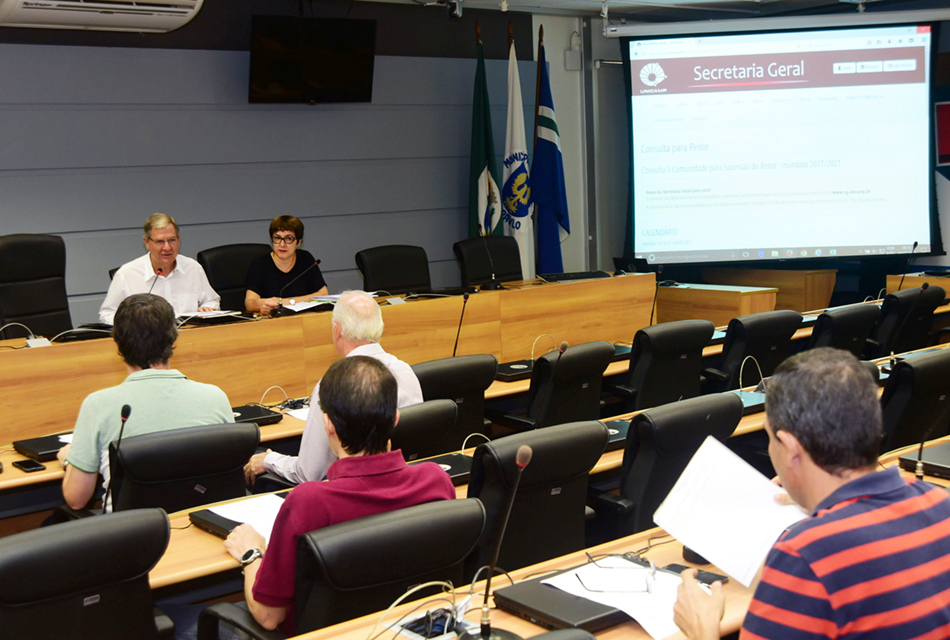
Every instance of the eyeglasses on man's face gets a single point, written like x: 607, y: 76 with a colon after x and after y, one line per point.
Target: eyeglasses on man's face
x: 171, y: 242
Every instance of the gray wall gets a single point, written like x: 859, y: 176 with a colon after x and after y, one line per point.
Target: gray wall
x: 93, y: 140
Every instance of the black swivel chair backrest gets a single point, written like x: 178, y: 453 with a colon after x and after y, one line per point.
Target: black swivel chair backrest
x: 893, y: 334
x: 226, y: 267
x: 480, y: 257
x: 568, y: 390
x: 33, y: 285
x: 660, y: 443
x: 394, y: 268
x: 666, y: 362
x: 549, y: 511
x: 361, y: 566
x: 764, y: 336
x: 916, y: 399
x: 182, y: 468
x: 462, y: 379
x: 845, y: 328
x: 82, y: 579
x: 422, y: 427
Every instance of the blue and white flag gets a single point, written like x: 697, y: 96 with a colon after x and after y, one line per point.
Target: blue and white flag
x: 547, y: 182
x: 516, y: 183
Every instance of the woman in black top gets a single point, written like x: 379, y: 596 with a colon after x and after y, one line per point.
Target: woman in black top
x: 268, y: 275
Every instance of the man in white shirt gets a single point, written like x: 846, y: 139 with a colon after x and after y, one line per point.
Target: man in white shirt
x: 162, y: 272
x: 356, y: 329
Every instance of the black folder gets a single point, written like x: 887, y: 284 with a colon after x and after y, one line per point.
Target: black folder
x: 42, y: 449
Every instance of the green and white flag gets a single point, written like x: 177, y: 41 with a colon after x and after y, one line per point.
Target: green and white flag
x: 516, y: 182
x: 484, y: 208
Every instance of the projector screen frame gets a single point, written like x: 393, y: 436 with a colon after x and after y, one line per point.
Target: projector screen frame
x: 816, y: 23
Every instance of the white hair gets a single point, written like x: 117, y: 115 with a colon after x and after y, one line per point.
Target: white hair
x: 358, y: 316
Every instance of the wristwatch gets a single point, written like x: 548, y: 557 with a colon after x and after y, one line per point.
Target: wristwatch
x: 250, y: 556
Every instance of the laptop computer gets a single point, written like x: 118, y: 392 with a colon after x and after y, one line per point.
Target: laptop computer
x: 256, y: 413
x: 219, y: 525
x: 552, y: 608
x: 517, y: 370
x: 42, y: 449
x: 936, y: 461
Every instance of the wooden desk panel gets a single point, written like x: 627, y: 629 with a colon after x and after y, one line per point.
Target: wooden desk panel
x: 607, y: 309
x: 797, y: 290
x: 718, y: 304
x: 915, y: 281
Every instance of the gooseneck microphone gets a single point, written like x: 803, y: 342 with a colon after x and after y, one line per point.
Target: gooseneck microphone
x: 461, y: 317
x: 522, y: 458
x: 494, y: 285
x: 279, y: 311
x: 907, y: 265
x: 126, y: 412
x: 919, y: 469
x: 158, y: 272
x: 910, y: 312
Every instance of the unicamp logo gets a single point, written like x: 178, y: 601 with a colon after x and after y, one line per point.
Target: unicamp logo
x: 652, y: 74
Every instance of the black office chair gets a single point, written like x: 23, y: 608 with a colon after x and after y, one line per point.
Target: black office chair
x: 112, y: 273
x: 33, y: 285
x: 395, y: 269
x: 84, y: 579
x: 549, y: 510
x: 226, y: 267
x: 764, y: 336
x: 916, y: 400
x: 422, y: 427
x: 898, y: 333
x: 565, y: 390
x: 845, y: 328
x: 182, y: 468
x: 355, y: 568
x: 464, y: 380
x: 660, y: 443
x: 666, y: 364
x: 481, y: 257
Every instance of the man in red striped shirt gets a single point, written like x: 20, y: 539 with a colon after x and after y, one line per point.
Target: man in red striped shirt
x: 873, y: 560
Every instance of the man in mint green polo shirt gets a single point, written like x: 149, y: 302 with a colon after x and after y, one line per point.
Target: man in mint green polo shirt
x: 161, y: 398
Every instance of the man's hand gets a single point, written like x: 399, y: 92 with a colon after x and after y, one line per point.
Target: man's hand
x: 208, y: 309
x: 697, y: 613
x: 62, y: 453
x: 242, y: 539
x: 255, y: 467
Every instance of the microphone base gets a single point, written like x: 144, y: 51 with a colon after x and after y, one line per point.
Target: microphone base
x: 475, y: 633
x: 490, y: 286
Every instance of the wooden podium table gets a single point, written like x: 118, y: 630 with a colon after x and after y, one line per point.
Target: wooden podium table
x: 797, y: 290
x: 43, y: 388
x: 717, y: 303
x: 915, y: 281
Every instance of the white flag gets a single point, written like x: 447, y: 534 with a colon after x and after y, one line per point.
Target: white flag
x: 516, y: 183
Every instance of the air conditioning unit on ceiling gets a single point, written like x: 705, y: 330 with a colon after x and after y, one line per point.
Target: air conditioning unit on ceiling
x: 142, y: 16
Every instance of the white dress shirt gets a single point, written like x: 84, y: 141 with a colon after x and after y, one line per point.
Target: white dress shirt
x: 186, y: 288
x: 315, y: 455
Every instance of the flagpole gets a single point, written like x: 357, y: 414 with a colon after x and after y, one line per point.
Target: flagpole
x: 537, y: 90
x: 511, y: 34
x: 478, y: 33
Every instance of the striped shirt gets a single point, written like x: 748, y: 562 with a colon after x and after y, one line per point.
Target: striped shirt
x: 873, y: 562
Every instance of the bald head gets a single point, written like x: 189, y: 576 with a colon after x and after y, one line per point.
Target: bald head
x: 357, y: 319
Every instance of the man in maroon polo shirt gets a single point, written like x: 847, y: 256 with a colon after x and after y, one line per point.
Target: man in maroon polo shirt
x: 358, y: 398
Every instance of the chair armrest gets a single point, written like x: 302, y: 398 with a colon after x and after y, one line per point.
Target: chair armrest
x: 872, y: 342
x: 605, y: 502
x: 620, y: 390
x: 267, y: 482
x: 236, y: 617
x: 518, y: 423
x: 715, y: 374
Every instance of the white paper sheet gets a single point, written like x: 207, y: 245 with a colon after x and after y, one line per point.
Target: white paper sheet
x: 624, y: 588
x: 725, y: 510
x: 300, y: 414
x: 259, y: 512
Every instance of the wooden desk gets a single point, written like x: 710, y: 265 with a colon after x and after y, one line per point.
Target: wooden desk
x: 915, y: 281
x: 246, y: 358
x: 737, y: 596
x: 797, y: 290
x: 717, y: 303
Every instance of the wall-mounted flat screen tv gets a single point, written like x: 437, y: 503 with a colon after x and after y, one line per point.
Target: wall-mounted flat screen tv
x: 311, y: 60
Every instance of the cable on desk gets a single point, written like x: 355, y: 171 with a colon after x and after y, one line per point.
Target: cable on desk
x: 474, y: 433
x: 444, y: 584
x: 425, y: 603
x: 286, y: 397
x: 650, y: 545
x: 182, y: 528
x: 471, y: 587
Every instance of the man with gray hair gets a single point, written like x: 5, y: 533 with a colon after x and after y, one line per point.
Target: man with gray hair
x: 162, y: 272
x: 356, y: 329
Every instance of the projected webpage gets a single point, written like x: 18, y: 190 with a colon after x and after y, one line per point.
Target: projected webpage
x: 781, y: 145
